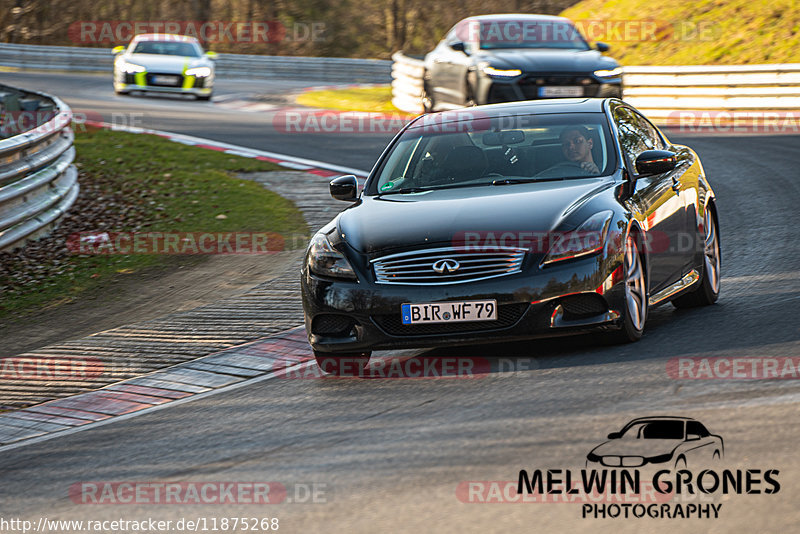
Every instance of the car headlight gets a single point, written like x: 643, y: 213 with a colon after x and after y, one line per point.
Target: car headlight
x: 660, y: 459
x: 605, y: 73
x: 324, y: 260
x: 200, y: 72
x: 500, y: 73
x: 132, y: 68
x: 588, y: 238
x: 592, y: 457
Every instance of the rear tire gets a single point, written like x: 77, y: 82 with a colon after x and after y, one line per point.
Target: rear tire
x: 635, y: 296
x: 707, y: 292
x: 343, y: 364
x: 204, y: 97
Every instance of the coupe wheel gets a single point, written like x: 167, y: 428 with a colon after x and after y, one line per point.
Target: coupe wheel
x: 342, y: 364
x: 708, y: 291
x: 635, y: 296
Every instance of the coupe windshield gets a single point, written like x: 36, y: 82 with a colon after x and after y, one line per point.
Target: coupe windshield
x: 478, y: 151
x: 167, y: 48
x: 500, y: 34
x: 655, y: 430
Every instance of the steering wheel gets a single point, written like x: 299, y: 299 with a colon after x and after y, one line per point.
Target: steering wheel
x: 560, y: 168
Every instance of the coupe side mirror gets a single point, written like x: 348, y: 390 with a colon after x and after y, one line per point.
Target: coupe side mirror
x: 614, y: 435
x: 211, y: 55
x: 602, y: 47
x: 458, y: 46
x: 118, y: 49
x: 344, y: 188
x: 652, y: 162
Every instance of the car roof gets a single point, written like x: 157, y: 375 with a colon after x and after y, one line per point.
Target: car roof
x: 660, y: 418
x: 518, y: 16
x: 165, y: 37
x: 510, y: 109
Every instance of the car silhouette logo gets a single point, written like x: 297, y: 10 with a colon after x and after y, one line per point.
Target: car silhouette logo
x: 446, y: 266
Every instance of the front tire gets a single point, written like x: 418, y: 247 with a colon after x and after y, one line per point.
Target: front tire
x: 708, y: 291
x: 343, y: 364
x: 635, y: 296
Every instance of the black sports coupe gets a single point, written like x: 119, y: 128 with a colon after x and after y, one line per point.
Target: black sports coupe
x: 513, y: 221
x: 504, y: 58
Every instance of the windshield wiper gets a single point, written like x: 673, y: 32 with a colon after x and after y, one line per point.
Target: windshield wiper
x: 512, y: 181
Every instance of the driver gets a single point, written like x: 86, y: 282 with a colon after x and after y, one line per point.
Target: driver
x: 576, y: 145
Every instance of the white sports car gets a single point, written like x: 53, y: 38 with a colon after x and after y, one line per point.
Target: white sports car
x: 164, y: 63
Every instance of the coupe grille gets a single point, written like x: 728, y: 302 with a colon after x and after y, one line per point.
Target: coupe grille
x: 507, y: 315
x: 449, y: 265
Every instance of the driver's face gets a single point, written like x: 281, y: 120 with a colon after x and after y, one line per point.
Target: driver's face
x: 576, y: 147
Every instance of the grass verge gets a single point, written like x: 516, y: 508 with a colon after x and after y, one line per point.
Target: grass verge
x: 140, y: 183
x: 371, y: 99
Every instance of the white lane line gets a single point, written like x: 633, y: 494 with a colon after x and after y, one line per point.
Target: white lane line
x: 143, y: 411
x: 193, y: 140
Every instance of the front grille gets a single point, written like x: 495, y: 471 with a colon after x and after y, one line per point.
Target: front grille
x: 583, y: 305
x: 530, y: 85
x: 417, y: 267
x: 507, y: 315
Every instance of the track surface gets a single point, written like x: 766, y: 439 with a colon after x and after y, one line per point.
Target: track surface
x: 392, y: 452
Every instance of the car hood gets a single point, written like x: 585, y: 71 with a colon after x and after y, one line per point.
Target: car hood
x: 637, y: 447
x: 548, y: 60
x: 167, y: 64
x: 439, y: 217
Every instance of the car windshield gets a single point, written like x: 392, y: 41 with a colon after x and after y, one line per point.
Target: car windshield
x: 167, y: 48
x: 500, y: 34
x: 655, y: 430
x: 478, y: 151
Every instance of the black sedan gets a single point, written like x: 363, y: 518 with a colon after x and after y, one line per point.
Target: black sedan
x: 509, y: 222
x: 504, y: 58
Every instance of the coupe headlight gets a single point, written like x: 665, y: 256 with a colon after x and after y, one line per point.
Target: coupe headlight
x: 613, y: 73
x: 499, y: 73
x: 324, y: 260
x: 200, y: 72
x: 588, y: 238
x: 660, y: 459
x: 132, y: 68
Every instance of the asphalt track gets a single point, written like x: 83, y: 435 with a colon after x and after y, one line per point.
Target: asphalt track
x: 390, y: 454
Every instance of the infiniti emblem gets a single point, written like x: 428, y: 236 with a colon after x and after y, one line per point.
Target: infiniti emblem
x: 446, y: 266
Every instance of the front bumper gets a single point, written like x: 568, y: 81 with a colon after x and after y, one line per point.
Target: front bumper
x: 578, y: 296
x: 199, y: 86
x: 530, y: 87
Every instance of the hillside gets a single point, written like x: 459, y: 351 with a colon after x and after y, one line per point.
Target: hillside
x: 691, y: 32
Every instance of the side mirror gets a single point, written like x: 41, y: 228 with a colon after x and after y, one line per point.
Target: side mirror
x: 614, y: 435
x: 692, y: 437
x: 211, y: 55
x: 118, y: 49
x: 602, y: 47
x: 652, y: 162
x: 344, y: 188
x: 458, y: 46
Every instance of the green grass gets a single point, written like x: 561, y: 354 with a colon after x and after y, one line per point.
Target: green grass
x: 373, y: 99
x: 698, y: 32
x: 173, y: 188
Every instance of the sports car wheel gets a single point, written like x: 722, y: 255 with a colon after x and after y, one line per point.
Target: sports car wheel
x: 635, y: 296
x: 708, y: 290
x: 342, y: 364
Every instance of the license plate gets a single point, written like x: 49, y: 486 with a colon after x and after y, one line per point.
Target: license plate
x: 450, y: 312
x: 564, y: 90
x: 165, y: 80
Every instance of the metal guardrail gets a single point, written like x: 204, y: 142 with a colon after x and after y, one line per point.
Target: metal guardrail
x: 660, y: 92
x: 344, y: 70
x: 38, y: 182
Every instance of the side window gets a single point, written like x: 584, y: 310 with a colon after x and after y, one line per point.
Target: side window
x: 694, y: 427
x: 631, y: 138
x: 651, y: 135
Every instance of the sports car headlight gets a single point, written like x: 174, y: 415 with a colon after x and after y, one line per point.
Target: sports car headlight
x: 588, y: 238
x: 200, y: 72
x: 324, y: 260
x: 660, y: 459
x: 499, y: 73
x: 132, y: 68
x: 613, y: 73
